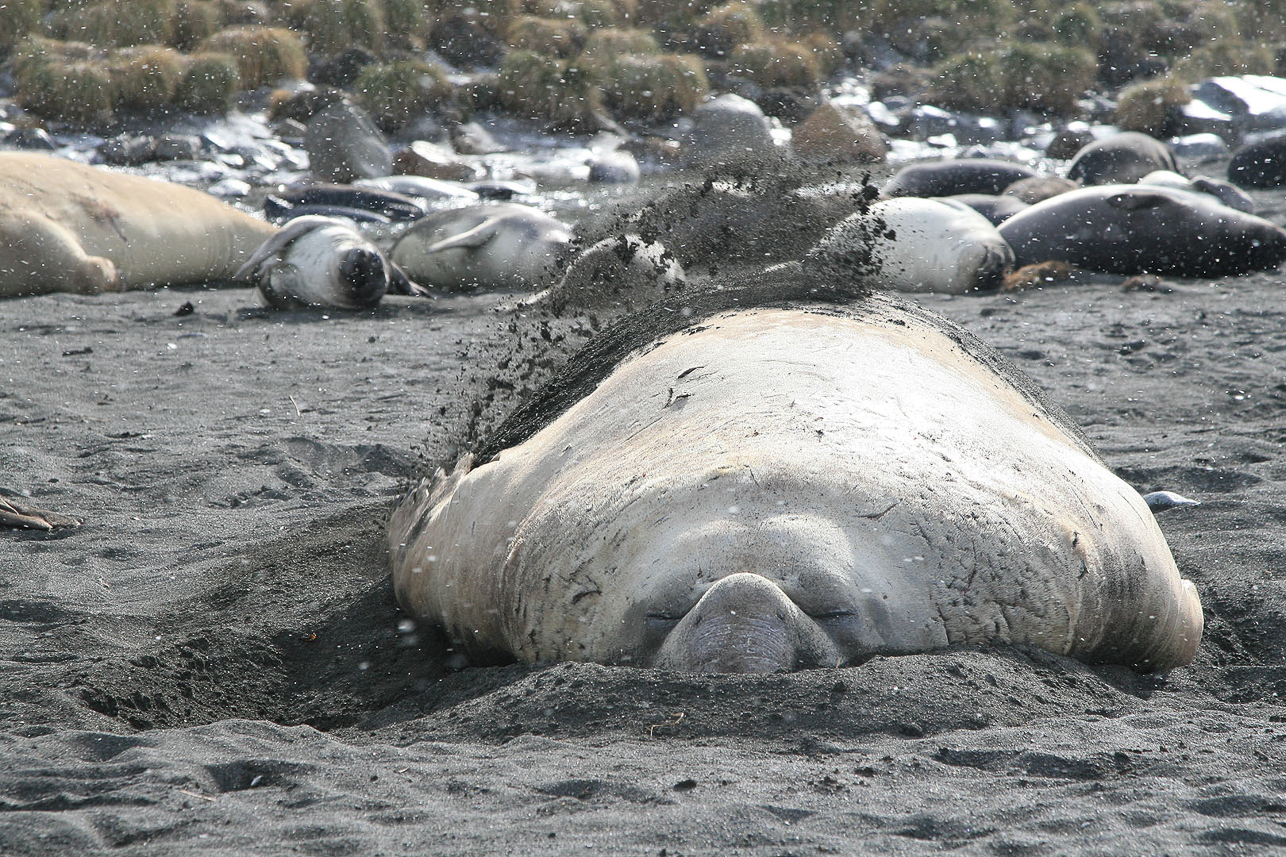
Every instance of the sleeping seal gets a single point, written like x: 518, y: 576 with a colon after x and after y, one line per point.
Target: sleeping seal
x: 1120, y: 159
x: 319, y: 261
x: 955, y: 176
x: 764, y: 484
x: 1144, y: 229
x: 68, y: 227
x: 500, y: 245
x: 922, y: 245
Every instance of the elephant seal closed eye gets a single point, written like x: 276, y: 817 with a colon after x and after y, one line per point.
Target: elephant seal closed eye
x: 788, y: 486
x: 68, y: 227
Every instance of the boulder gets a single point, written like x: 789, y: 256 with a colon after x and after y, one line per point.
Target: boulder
x: 343, y: 144
x: 728, y: 130
x: 839, y: 132
x: 433, y: 161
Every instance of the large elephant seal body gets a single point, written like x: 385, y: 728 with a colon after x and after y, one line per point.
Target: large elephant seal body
x: 789, y: 486
x: 921, y: 245
x: 68, y: 227
x: 1144, y: 229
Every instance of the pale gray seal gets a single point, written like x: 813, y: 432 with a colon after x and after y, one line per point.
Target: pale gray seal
x: 1120, y: 159
x: 783, y: 487
x: 919, y: 245
x: 501, y: 245
x: 68, y: 227
x: 319, y: 261
x: 1144, y: 229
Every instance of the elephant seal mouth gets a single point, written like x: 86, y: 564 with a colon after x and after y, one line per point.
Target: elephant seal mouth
x: 745, y: 623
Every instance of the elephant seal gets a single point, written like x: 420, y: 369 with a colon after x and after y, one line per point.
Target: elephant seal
x: 620, y: 274
x: 997, y: 208
x: 1260, y: 164
x: 500, y: 245
x: 68, y: 227
x: 767, y: 484
x: 955, y: 176
x: 1120, y: 159
x: 293, y: 202
x: 1226, y: 192
x: 319, y: 261
x: 920, y: 245
x: 1144, y: 229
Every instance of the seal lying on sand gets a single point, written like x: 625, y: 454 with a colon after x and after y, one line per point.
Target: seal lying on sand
x: 500, y: 245
x: 921, y: 245
x: 68, y: 227
x: 323, y: 262
x: 791, y: 485
x: 1144, y: 229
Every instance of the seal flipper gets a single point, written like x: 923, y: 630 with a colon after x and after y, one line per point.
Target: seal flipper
x: 278, y: 242
x: 400, y: 284
x: 470, y: 239
x: 1161, y: 501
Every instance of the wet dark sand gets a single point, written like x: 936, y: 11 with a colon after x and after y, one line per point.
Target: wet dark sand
x: 213, y: 662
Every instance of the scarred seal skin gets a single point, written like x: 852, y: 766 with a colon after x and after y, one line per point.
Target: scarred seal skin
x: 791, y: 486
x: 68, y: 227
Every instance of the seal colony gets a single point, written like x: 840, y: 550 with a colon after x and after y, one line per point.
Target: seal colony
x: 775, y: 481
x: 68, y: 227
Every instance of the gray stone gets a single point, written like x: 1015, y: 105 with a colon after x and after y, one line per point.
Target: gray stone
x: 343, y: 144
x: 728, y: 130
x: 614, y: 167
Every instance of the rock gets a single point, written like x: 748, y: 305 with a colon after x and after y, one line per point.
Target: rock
x: 615, y: 167
x: 1069, y: 140
x: 839, y: 132
x: 791, y: 106
x: 430, y: 160
x: 1201, y: 146
x: 1254, y: 102
x: 343, y: 68
x: 343, y: 144
x: 177, y: 147
x: 462, y: 41
x: 128, y: 150
x: 933, y: 124
x: 1197, y: 117
x: 30, y: 138
x: 728, y: 130
x: 472, y: 139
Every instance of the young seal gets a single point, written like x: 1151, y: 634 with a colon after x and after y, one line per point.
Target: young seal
x: 319, y: 261
x: 500, y: 245
x: 1120, y: 159
x: 955, y: 176
x: 922, y: 245
x: 1144, y: 229
x: 68, y: 227
x: 795, y: 484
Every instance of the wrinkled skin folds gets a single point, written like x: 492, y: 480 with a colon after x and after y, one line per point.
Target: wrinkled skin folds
x: 783, y: 489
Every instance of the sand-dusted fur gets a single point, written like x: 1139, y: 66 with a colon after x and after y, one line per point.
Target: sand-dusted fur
x: 68, y: 227
x: 899, y: 486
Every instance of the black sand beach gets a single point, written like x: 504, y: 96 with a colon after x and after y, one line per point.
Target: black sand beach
x: 213, y: 662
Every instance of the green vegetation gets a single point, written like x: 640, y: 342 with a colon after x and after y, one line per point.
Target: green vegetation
x: 209, y: 84
x: 146, y: 78
x: 1152, y: 106
x: 653, y: 87
x: 395, y: 93
x: 264, y: 55
x: 1015, y: 75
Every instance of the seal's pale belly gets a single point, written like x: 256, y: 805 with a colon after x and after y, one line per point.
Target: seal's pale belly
x: 900, y: 493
